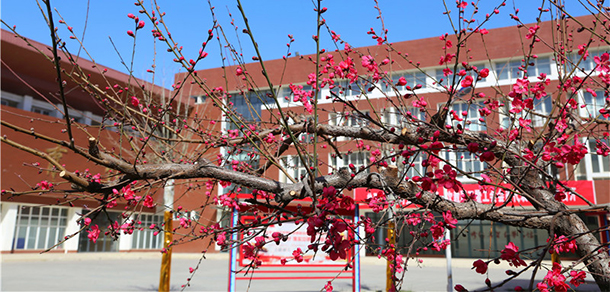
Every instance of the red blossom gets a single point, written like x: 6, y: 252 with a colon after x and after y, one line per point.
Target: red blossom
x: 510, y: 254
x: 130, y: 33
x: 401, y: 81
x: 554, y: 278
x: 577, y: 278
x: 298, y: 255
x: 135, y: 101
x: 467, y: 81
x: 480, y: 266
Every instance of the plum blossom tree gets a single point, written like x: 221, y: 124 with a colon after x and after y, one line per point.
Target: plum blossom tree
x: 522, y: 154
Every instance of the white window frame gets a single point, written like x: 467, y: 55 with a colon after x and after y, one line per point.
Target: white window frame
x: 592, y: 107
x: 12, y: 98
x: 508, y: 70
x: 542, y: 108
x: 467, y: 162
x: 34, y: 225
x: 470, y: 122
x: 144, y: 238
x: 358, y: 158
x: 348, y: 119
x: 592, y: 158
x: 346, y: 89
x: 294, y: 166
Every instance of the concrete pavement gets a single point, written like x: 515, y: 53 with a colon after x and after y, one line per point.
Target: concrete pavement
x: 140, y: 272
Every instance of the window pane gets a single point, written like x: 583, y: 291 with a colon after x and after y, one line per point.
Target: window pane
x: 31, y: 240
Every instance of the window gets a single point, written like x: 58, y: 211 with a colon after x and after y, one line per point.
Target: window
x: 599, y: 163
x: 466, y: 162
x: 538, y: 66
x: 249, y: 104
x: 402, y: 117
x: 358, y: 159
x: 11, y: 103
x: 286, y: 93
x: 508, y: 70
x: 469, y: 114
x: 345, y: 88
x: 542, y: 109
x: 295, y: 167
x: 39, y: 227
x: 412, y: 166
x: 353, y: 119
x: 574, y: 59
x: 199, y: 99
x: 143, y: 236
x: 594, y: 104
x: 42, y: 111
x: 413, y: 78
x: 439, y: 74
x: 511, y: 69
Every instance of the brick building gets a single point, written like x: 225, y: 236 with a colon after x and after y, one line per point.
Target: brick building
x: 35, y: 221
x: 501, y: 51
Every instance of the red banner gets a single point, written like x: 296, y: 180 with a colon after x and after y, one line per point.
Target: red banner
x: 495, y: 195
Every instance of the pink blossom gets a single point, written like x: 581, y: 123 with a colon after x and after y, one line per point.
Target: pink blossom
x: 94, y: 233
x: 521, y: 86
x: 140, y: 25
x: 148, y: 202
x: 449, y: 220
x: 483, y: 31
x: 447, y: 72
x: 135, y: 101
x: 582, y: 50
x: 130, y: 33
x: 603, y: 63
x: 45, y: 185
x: 532, y: 31
x: 328, y: 287
x: 484, y: 73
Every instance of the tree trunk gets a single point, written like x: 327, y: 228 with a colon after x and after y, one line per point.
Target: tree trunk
x: 595, y: 258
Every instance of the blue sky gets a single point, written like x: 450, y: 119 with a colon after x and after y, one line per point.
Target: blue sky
x: 271, y: 21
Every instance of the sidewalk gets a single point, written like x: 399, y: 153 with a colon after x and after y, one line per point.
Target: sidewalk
x: 140, y: 272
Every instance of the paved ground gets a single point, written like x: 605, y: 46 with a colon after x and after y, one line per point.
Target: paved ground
x: 140, y: 272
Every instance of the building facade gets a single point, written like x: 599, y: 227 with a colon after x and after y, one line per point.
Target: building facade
x: 414, y: 74
x: 34, y: 221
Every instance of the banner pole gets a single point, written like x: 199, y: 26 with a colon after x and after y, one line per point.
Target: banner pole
x: 356, y: 283
x: 166, y: 260
x: 233, y: 252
